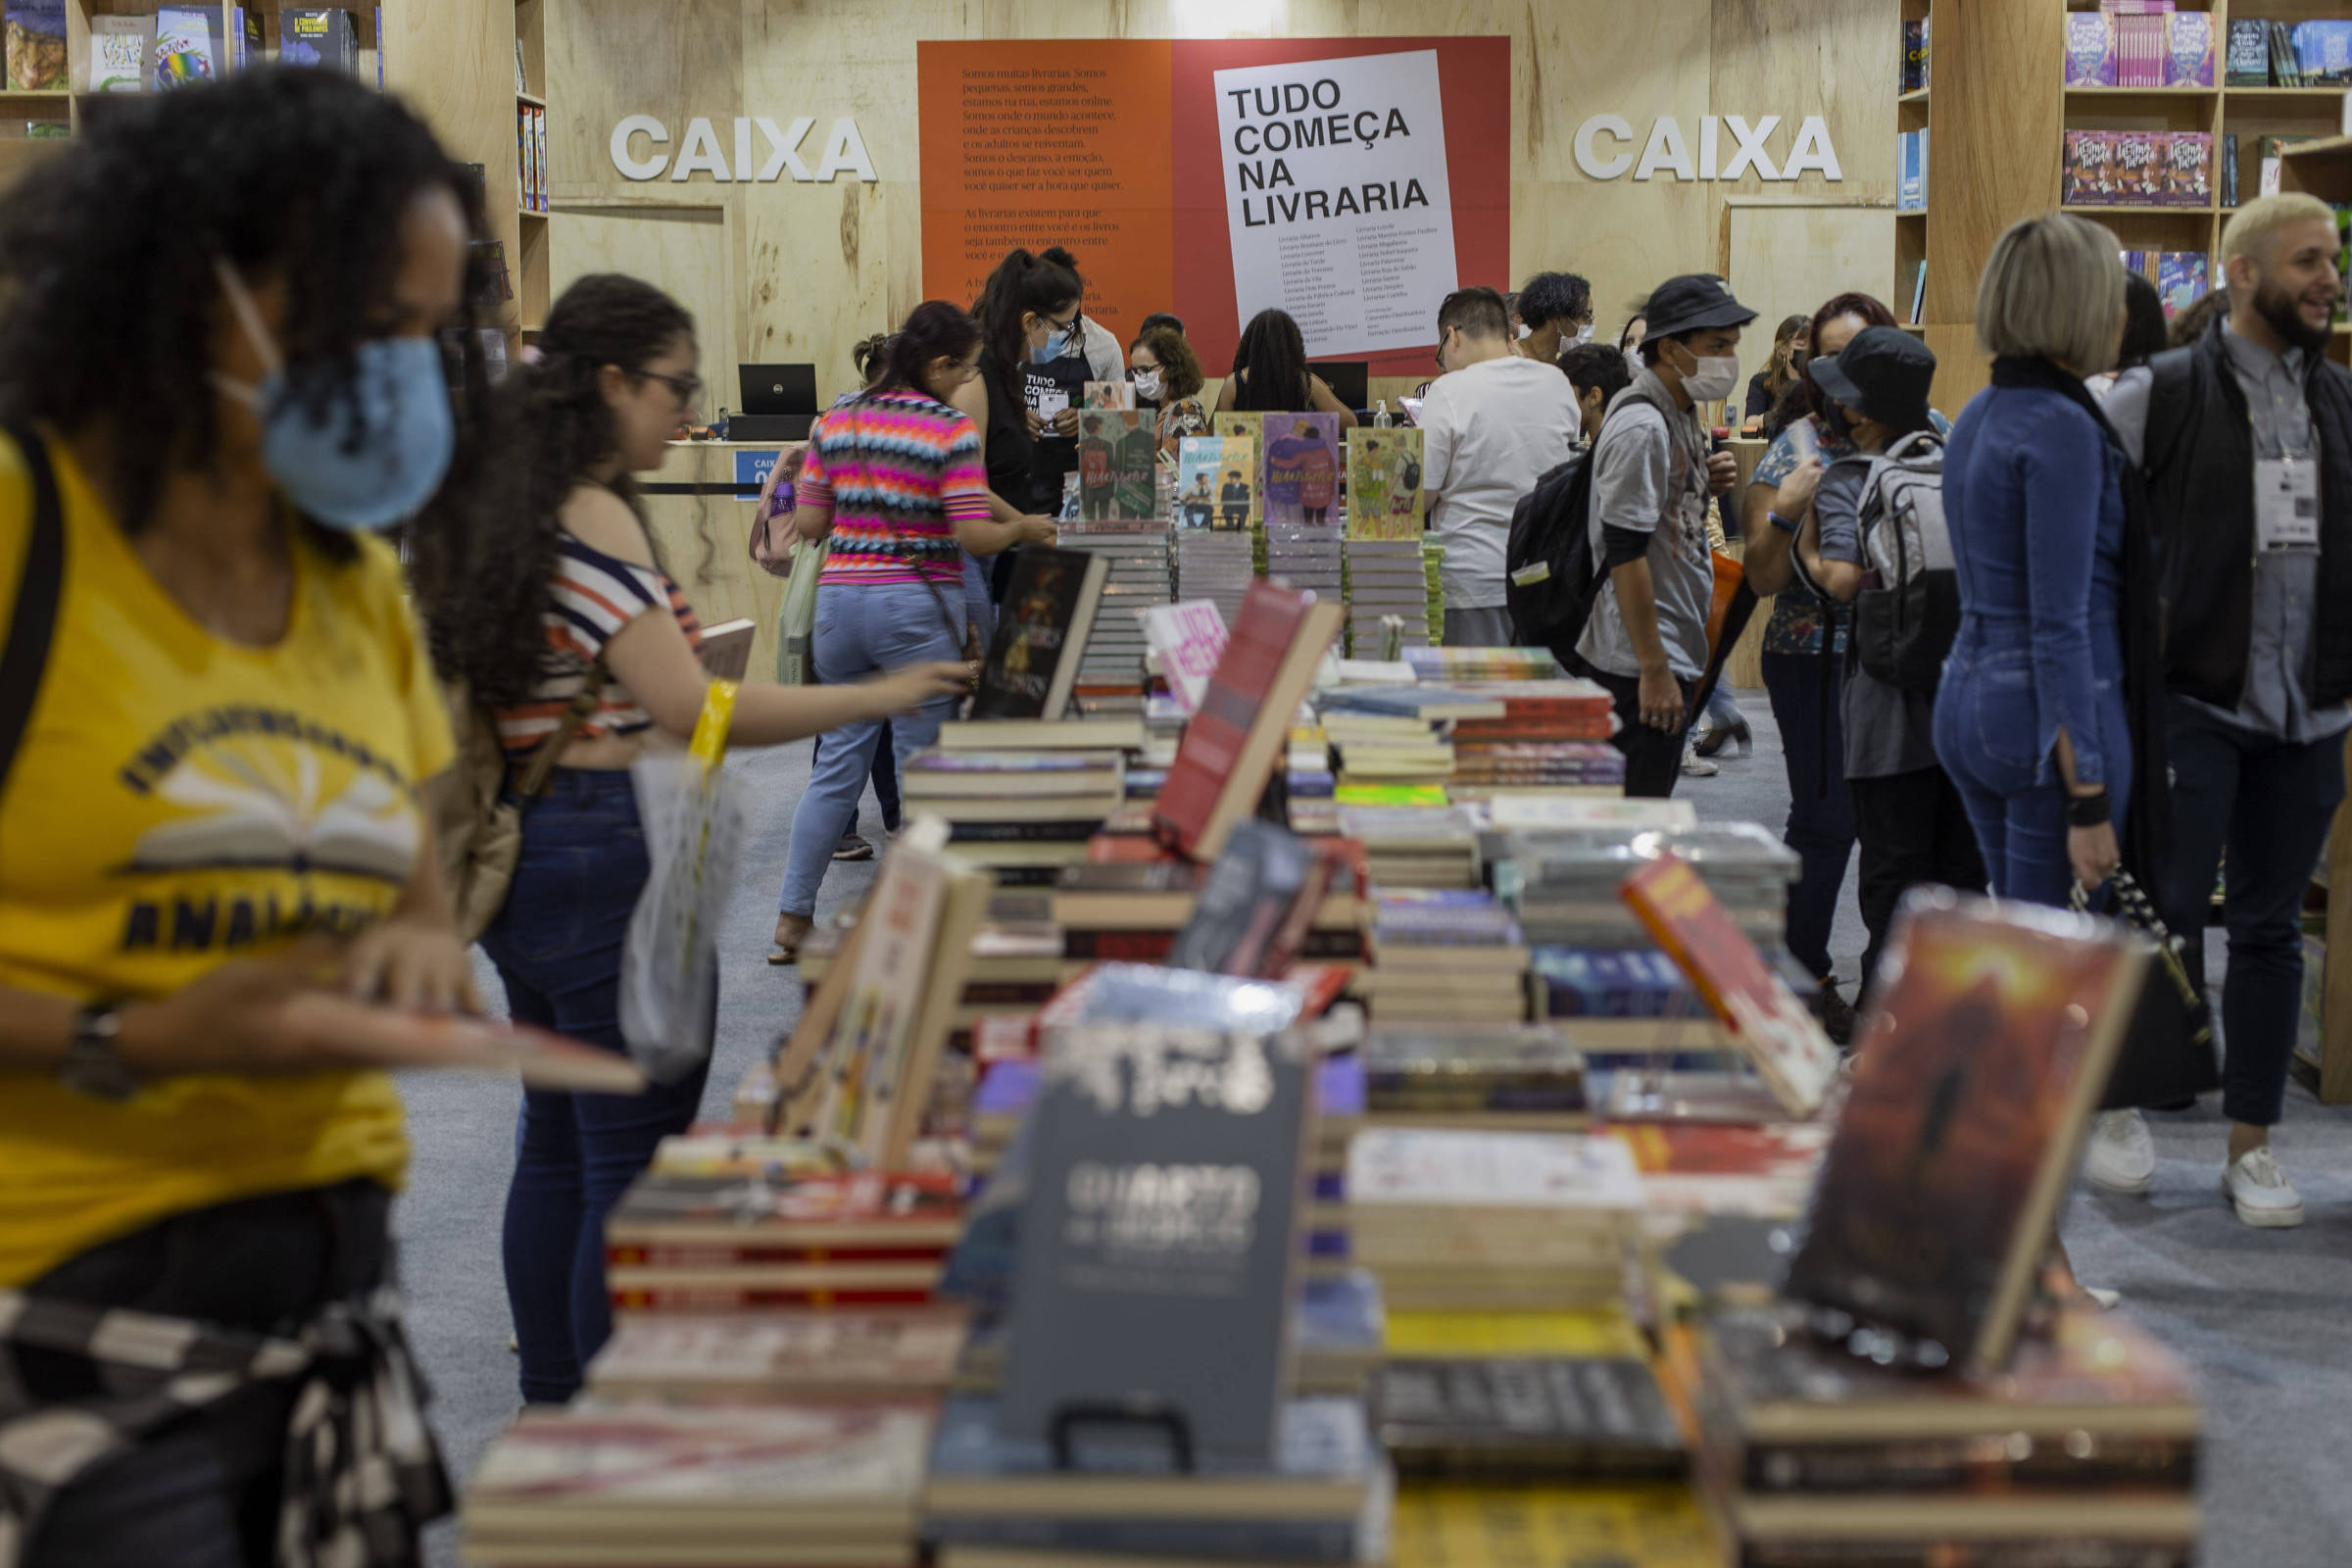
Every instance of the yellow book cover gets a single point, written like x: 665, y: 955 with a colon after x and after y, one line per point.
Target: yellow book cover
x: 1600, y: 1332
x: 1251, y: 427
x: 1384, y: 483
x: 1453, y: 1525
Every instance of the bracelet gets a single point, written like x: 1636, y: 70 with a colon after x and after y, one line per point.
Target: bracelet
x: 2087, y: 810
x: 1782, y: 523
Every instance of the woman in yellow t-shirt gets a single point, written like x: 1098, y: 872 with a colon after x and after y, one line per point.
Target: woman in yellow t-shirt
x: 220, y: 367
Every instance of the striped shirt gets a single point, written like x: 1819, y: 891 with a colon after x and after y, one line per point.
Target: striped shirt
x: 900, y: 471
x: 593, y: 596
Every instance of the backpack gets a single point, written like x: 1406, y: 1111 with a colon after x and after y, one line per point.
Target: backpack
x: 1551, y: 575
x: 1907, y: 616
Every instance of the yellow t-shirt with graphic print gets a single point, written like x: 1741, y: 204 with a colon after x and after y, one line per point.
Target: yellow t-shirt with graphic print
x: 179, y: 800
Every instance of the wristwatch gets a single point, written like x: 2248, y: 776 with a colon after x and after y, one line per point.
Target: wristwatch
x: 93, y: 1066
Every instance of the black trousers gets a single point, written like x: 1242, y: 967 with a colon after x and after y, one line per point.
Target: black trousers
x: 1913, y: 830
x: 2268, y: 804
x: 1653, y: 757
x: 204, y: 1491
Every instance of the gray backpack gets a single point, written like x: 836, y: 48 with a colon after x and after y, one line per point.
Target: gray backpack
x: 1908, y: 612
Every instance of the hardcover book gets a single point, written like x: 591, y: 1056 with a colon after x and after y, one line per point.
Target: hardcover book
x: 2181, y: 279
x: 1985, y: 1050
x: 1235, y: 742
x: 121, y: 52
x: 1302, y: 468
x: 1384, y: 483
x: 1049, y: 610
x: 1775, y: 1031
x: 1256, y: 904
x: 1512, y: 1417
x: 1158, y: 1241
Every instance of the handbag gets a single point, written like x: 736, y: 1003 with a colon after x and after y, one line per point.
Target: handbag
x: 2167, y: 1055
x: 477, y: 825
x: 796, y: 617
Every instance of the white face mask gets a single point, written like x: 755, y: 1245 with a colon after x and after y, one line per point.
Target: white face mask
x: 1714, y: 379
x: 1584, y: 333
x: 1525, y: 330
x: 1147, y: 383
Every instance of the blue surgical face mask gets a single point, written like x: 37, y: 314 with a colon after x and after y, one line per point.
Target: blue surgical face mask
x: 400, y: 404
x: 1057, y: 344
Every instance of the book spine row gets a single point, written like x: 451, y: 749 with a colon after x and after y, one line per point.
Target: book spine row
x: 2137, y: 168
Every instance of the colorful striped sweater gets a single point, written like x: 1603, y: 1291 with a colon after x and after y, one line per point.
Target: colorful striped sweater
x: 900, y: 469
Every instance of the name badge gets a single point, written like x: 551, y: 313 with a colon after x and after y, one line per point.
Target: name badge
x: 1052, y: 400
x: 2287, y: 505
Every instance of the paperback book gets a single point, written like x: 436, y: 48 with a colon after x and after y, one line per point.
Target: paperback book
x: 1049, y: 610
x: 184, y: 53
x: 1384, y: 483
x: 1187, y: 639
x: 36, y: 45
x: 121, y: 52
x: 1302, y: 467
x: 1118, y: 464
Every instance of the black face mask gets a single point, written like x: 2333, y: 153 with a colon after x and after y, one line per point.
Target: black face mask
x: 1839, y: 425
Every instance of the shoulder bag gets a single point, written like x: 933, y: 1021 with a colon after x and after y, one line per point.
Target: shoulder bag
x: 477, y: 825
x: 2167, y: 1055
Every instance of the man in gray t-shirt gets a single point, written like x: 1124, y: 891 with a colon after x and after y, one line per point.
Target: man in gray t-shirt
x: 1652, y: 474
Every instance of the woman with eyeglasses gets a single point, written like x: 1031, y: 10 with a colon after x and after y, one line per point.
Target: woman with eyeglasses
x: 557, y: 602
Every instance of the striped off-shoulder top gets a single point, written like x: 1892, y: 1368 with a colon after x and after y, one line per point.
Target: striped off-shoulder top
x: 594, y: 595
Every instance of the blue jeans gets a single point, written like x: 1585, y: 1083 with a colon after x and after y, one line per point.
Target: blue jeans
x: 2268, y: 804
x: 1723, y: 709
x: 862, y: 630
x: 1821, y: 814
x: 557, y: 944
x: 885, y: 776
x: 1986, y: 729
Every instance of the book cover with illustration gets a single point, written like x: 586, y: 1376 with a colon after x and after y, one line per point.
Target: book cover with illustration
x: 1117, y: 474
x: 1216, y: 483
x: 1049, y: 610
x: 1777, y: 1032
x: 121, y: 52
x: 1107, y: 395
x: 1976, y: 1069
x: 1250, y: 427
x: 1384, y: 483
x: 1188, y: 638
x: 1302, y: 467
x: 184, y: 47
x: 36, y: 45
x: 319, y: 36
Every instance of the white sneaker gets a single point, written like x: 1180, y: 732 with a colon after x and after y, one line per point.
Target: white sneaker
x: 2122, y: 1157
x: 1697, y: 766
x: 2259, y: 1192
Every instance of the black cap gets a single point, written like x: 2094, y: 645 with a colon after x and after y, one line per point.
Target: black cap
x: 1883, y: 374
x: 1691, y: 302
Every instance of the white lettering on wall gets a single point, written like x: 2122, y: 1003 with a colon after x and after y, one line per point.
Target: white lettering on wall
x: 702, y: 151
x: 1666, y: 149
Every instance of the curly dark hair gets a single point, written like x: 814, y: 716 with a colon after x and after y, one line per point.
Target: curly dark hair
x: 1179, y: 366
x: 1554, y: 297
x: 482, y: 591
x: 109, y: 297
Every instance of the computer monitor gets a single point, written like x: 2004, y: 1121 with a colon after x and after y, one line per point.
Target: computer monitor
x: 779, y: 388
x: 1349, y: 380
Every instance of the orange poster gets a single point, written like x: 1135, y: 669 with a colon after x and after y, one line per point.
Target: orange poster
x: 1049, y: 142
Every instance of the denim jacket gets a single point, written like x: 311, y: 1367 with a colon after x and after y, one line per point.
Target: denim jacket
x: 2033, y: 494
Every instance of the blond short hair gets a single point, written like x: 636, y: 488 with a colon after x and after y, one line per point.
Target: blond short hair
x: 2054, y: 290
x: 2253, y: 227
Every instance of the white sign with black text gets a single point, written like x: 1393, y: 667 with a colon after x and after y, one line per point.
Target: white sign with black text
x: 1336, y: 197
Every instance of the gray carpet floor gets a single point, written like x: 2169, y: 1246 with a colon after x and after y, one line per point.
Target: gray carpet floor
x: 2266, y: 1317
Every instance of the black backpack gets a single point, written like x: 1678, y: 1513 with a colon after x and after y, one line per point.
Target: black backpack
x: 1549, y: 575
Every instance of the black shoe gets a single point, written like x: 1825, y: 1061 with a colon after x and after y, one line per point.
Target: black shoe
x: 1835, y: 1015
x: 1713, y: 740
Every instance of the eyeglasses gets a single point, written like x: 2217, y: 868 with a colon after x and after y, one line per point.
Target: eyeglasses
x: 687, y: 389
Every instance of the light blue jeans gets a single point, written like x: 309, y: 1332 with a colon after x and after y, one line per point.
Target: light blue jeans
x: 861, y: 631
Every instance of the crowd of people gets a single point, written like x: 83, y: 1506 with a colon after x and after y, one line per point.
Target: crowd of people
x: 221, y: 702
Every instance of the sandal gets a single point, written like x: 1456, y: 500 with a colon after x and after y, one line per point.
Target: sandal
x: 781, y: 952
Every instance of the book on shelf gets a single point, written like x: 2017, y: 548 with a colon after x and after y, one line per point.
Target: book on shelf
x: 1107, y: 732
x: 2323, y: 52
x: 2285, y: 69
x: 1918, y: 292
x: 1116, y: 455
x: 2089, y: 50
x: 1503, y: 1077
x: 1911, y: 175
x: 186, y: 48
x: 2225, y: 169
x: 122, y: 54
x: 1915, y: 55
x: 319, y: 36
x: 1157, y: 1243
x: 35, y: 33
x: 1045, y: 775
x: 2187, y: 165
x: 2188, y: 49
x: 1049, y: 610
x: 1657, y: 1524
x: 1983, y: 1061
x: 2249, y: 62
x: 1776, y: 1031
x: 522, y: 81
x: 1235, y: 742
x: 2183, y: 277
x: 2273, y: 153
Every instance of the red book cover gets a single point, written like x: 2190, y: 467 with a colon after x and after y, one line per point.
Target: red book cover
x: 1770, y: 1025
x: 1233, y: 743
x: 1976, y: 1070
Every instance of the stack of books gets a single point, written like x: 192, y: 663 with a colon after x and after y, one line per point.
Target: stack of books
x: 1306, y: 555
x: 1022, y: 812
x: 740, y: 1236
x: 1132, y: 912
x: 998, y: 1501
x: 1492, y: 1221
x: 1625, y: 999
x: 1552, y: 736
x: 1433, y: 565
x: 752, y: 1358
x: 1443, y: 955
x: 1216, y: 566
x: 1384, y: 751
x: 1111, y: 671
x: 702, y: 1484
x: 1460, y: 665
x: 2083, y: 1449
x: 1526, y: 1418
x: 1483, y: 1077
x: 1415, y: 846
x: 1385, y: 578
x: 1568, y: 879
x: 1015, y: 966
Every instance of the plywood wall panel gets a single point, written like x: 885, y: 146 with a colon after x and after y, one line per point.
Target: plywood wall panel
x: 1996, y: 149
x: 817, y: 266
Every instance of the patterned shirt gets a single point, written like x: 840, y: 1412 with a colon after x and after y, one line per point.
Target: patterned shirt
x: 900, y: 469
x: 592, y: 598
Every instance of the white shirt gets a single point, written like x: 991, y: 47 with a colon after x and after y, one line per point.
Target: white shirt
x: 1493, y: 430
x: 1104, y: 356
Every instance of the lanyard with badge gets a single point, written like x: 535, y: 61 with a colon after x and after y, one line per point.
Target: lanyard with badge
x: 2286, y: 502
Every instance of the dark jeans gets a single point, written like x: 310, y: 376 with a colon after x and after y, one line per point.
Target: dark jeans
x: 885, y: 776
x: 2267, y: 805
x: 1653, y: 757
x: 556, y: 944
x: 204, y: 1489
x: 1821, y: 814
x: 1913, y: 830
